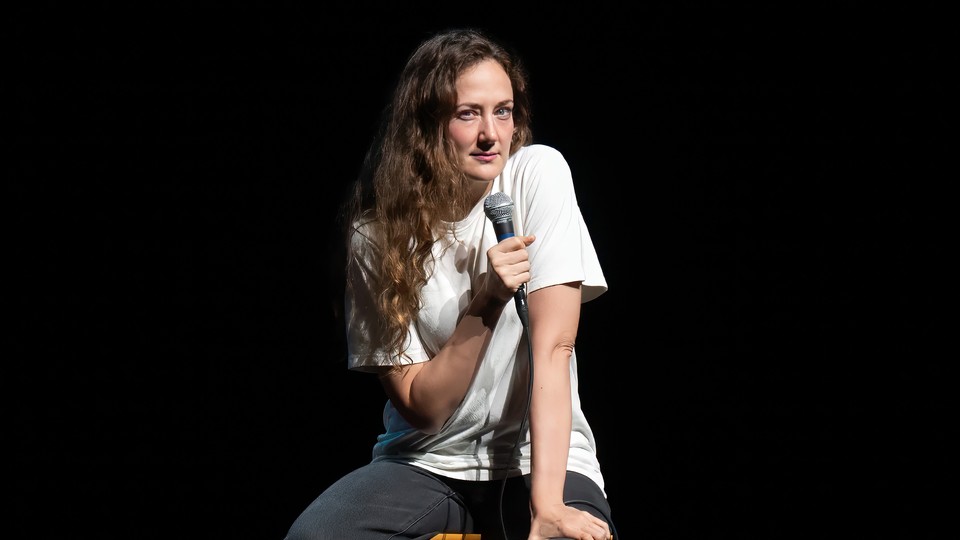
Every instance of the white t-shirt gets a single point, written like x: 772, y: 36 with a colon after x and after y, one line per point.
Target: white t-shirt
x: 477, y: 442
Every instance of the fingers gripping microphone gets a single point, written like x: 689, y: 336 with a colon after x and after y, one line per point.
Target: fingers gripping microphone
x: 499, y: 209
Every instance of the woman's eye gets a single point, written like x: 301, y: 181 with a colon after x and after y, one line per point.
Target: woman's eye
x: 466, y: 114
x: 504, y: 112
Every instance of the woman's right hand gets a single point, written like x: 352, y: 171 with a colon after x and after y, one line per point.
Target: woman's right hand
x: 508, y: 266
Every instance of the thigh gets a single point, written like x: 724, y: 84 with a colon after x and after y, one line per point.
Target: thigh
x: 503, y: 511
x: 581, y: 492
x: 381, y: 501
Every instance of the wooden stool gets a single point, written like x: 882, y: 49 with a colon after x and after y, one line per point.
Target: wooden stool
x: 456, y: 536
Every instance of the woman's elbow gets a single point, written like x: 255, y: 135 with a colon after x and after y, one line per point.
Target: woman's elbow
x: 563, y: 348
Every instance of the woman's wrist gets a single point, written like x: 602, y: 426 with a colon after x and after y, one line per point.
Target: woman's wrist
x: 487, y: 307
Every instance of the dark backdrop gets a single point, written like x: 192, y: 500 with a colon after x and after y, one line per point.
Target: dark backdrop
x: 762, y: 185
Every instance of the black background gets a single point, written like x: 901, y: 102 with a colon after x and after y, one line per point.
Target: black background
x: 764, y: 187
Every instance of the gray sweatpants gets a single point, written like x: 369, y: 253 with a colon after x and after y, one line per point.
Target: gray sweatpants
x: 381, y: 501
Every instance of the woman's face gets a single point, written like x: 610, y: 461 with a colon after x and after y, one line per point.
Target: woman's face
x: 482, y: 126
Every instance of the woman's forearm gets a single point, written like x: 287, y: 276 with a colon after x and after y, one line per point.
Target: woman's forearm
x: 426, y: 394
x: 550, y: 425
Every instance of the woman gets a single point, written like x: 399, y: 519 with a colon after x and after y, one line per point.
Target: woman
x: 427, y: 296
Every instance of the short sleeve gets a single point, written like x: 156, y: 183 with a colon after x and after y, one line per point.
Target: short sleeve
x: 546, y: 205
x: 363, y: 328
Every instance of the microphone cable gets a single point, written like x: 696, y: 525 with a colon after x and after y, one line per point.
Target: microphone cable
x: 520, y: 299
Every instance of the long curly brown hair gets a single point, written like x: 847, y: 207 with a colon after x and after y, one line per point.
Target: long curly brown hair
x: 411, y: 179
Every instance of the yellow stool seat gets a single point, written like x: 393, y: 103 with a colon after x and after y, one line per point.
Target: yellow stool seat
x: 456, y: 536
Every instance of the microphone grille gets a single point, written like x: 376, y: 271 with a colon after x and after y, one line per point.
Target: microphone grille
x: 498, y: 206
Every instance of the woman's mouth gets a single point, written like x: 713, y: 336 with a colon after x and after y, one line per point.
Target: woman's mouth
x: 485, y: 156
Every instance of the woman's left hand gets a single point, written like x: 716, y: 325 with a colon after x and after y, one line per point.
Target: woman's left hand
x: 562, y: 521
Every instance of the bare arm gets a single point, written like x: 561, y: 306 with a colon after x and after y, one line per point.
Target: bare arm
x: 554, y: 320
x: 427, y: 393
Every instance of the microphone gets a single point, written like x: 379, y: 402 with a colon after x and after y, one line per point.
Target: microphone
x: 499, y: 209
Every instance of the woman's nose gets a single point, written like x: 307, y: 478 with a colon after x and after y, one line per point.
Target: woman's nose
x: 488, y: 129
